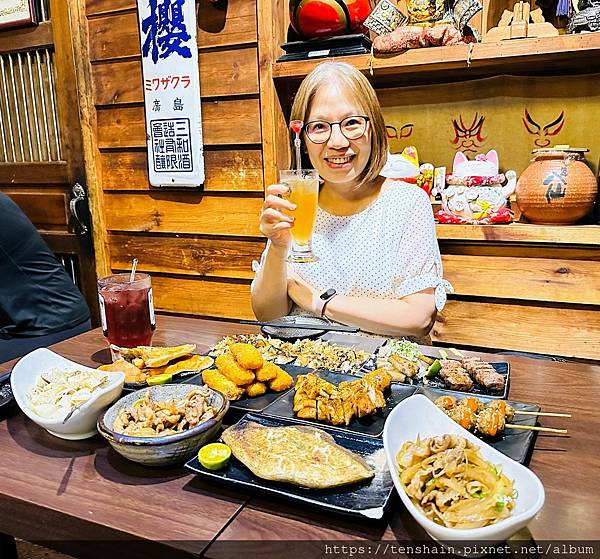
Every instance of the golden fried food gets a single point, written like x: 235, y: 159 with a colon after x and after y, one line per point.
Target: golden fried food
x: 281, y: 382
x: 193, y: 363
x: 229, y: 367
x: 217, y: 381
x: 247, y: 355
x: 256, y: 389
x: 132, y: 373
x: 155, y: 356
x: 380, y: 377
x: 267, y: 372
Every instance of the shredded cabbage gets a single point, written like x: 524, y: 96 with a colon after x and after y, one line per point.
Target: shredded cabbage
x: 56, y: 392
x: 405, y: 348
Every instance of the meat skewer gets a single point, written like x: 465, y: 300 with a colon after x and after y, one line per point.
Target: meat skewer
x: 448, y: 402
x: 489, y: 420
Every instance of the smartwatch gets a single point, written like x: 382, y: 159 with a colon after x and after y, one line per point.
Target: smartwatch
x: 323, y: 299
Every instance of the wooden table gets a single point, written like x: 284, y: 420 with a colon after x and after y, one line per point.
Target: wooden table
x: 73, y: 493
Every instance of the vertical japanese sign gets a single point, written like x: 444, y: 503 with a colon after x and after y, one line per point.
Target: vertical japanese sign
x: 171, y: 92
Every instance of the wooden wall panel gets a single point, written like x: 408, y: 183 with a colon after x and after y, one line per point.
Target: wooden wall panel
x: 533, y: 279
x: 220, y: 75
x: 47, y: 210
x: 188, y: 256
x: 218, y: 298
x: 553, y: 330
x: 226, y: 170
x: 116, y: 35
x: 95, y: 7
x: 179, y: 212
x: 223, y: 122
x: 39, y: 173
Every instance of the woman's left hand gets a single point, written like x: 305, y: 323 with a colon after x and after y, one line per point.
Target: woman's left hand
x: 301, y: 292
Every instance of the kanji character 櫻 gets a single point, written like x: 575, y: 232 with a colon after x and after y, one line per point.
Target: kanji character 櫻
x: 165, y: 30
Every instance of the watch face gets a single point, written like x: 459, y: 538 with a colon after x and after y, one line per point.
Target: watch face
x: 329, y: 293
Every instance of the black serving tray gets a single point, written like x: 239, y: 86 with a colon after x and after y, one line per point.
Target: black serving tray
x: 371, y: 426
x: 257, y: 403
x: 501, y: 367
x: 368, y: 499
x: 515, y: 443
x: 7, y: 400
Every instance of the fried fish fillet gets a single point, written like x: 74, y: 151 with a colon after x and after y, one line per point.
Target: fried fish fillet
x: 229, y: 367
x: 303, y: 456
x: 282, y: 381
x: 217, y: 381
x: 247, y: 355
x: 267, y: 372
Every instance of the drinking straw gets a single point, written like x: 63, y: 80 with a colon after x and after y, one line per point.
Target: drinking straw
x: 133, y: 267
x: 296, y: 126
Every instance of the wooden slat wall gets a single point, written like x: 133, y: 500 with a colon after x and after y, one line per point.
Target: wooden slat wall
x: 198, y: 246
x: 538, y: 298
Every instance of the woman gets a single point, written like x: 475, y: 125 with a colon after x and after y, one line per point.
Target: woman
x: 379, y: 264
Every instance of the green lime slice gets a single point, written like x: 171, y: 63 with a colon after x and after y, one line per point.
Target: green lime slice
x: 434, y: 369
x: 214, y: 456
x: 159, y: 379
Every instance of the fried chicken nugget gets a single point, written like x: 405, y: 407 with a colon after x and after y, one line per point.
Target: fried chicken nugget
x: 247, y: 355
x: 282, y: 381
x: 228, y: 366
x: 267, y: 372
x: 256, y: 389
x: 217, y: 381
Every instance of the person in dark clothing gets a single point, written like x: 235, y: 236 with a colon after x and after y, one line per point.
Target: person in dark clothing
x: 39, y: 304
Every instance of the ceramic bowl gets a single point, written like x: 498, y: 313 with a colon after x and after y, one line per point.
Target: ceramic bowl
x: 170, y: 449
x: 418, y: 416
x: 82, y: 424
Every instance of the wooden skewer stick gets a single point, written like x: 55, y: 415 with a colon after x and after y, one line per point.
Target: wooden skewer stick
x: 457, y: 352
x: 532, y: 428
x: 544, y: 413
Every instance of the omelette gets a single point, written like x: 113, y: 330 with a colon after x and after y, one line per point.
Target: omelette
x: 300, y: 455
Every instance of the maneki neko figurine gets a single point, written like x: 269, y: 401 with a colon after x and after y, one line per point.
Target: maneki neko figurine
x: 476, y: 192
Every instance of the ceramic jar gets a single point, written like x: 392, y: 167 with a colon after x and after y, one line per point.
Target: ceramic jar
x: 557, y: 188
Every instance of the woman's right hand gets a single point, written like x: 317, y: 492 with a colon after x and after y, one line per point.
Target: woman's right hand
x: 275, y: 224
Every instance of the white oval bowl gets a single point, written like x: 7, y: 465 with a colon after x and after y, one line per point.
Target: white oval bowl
x: 82, y: 424
x: 419, y: 416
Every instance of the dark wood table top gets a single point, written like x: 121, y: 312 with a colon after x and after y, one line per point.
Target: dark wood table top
x: 52, y: 489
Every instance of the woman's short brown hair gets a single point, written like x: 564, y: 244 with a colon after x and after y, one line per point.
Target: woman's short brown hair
x: 347, y: 76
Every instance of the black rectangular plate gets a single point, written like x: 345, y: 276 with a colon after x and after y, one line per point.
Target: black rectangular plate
x: 501, y: 367
x: 367, y: 499
x: 257, y: 403
x: 7, y: 400
x: 371, y: 426
x: 515, y: 443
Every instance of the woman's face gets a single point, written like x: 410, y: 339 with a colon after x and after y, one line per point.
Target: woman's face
x: 339, y: 160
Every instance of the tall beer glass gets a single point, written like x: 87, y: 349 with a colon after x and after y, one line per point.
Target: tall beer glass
x: 304, y: 192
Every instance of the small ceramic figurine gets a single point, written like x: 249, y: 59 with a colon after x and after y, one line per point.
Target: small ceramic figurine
x: 587, y: 18
x: 475, y: 191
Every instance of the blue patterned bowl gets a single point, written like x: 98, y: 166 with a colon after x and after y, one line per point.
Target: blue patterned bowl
x: 170, y: 449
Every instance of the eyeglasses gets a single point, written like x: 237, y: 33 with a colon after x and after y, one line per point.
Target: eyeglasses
x: 352, y: 127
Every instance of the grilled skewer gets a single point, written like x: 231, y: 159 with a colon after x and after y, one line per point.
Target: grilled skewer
x: 489, y: 420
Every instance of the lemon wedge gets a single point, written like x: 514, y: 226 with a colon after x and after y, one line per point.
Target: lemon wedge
x: 214, y: 456
x: 159, y: 379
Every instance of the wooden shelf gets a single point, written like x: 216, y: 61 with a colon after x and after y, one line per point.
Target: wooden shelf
x: 522, y: 233
x: 551, y: 54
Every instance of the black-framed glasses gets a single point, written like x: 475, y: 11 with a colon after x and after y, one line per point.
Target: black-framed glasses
x: 352, y: 127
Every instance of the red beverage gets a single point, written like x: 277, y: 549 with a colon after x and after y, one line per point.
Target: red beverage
x: 126, y: 309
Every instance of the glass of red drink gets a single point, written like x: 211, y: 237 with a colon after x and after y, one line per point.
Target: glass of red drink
x: 126, y: 309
